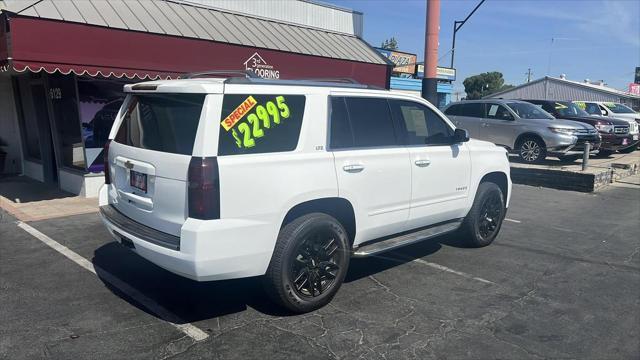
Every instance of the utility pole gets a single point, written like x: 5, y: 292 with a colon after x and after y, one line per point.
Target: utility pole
x: 529, y: 73
x: 430, y: 81
x: 456, y: 26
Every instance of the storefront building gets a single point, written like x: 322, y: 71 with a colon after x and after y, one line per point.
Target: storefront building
x: 63, y: 66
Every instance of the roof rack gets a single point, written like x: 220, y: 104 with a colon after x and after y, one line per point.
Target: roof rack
x: 220, y: 73
x: 320, y: 82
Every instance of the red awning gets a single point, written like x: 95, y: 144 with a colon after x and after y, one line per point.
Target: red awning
x: 57, y: 46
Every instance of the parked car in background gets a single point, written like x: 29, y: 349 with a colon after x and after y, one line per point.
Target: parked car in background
x: 615, y: 133
x: 614, y: 110
x: 523, y: 128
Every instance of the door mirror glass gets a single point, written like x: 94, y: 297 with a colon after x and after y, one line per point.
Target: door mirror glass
x: 460, y: 136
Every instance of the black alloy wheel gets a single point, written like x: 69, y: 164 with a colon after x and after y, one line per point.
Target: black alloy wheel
x: 317, y: 263
x: 483, y: 222
x: 309, y: 262
x: 491, y: 212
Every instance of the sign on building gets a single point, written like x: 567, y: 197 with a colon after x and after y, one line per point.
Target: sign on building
x: 405, y: 62
x: 442, y: 73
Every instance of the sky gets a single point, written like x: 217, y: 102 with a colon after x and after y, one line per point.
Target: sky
x: 591, y: 39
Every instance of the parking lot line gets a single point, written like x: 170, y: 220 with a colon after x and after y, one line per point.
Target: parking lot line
x: 512, y: 220
x: 155, y: 308
x: 437, y: 267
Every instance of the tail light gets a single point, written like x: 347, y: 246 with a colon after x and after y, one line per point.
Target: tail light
x: 105, y: 156
x: 204, y: 188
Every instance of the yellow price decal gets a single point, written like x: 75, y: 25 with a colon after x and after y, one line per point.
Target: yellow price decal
x: 259, y: 120
x: 237, y: 114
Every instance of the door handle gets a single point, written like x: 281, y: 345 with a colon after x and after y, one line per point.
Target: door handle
x: 423, y: 163
x: 355, y: 168
x: 484, y: 125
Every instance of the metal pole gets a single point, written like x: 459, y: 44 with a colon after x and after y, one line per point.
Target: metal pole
x: 456, y: 28
x: 585, y: 155
x: 430, y: 81
x: 453, y: 45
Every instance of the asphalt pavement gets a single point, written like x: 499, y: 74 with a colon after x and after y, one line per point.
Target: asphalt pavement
x: 562, y: 280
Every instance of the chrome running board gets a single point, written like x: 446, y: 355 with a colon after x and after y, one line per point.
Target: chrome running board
x: 379, y: 246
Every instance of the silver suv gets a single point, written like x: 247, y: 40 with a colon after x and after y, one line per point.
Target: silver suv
x: 522, y: 127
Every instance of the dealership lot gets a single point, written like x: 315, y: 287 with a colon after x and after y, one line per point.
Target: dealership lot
x: 561, y: 280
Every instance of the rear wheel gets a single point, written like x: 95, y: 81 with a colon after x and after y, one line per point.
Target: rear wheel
x: 309, y: 263
x: 483, y: 222
x: 532, y: 150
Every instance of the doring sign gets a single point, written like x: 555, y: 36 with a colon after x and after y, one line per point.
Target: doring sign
x: 260, y: 67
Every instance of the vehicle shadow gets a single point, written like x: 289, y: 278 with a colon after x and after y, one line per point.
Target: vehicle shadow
x: 193, y: 301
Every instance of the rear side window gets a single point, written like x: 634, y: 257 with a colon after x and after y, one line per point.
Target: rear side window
x: 468, y: 109
x: 253, y: 124
x: 341, y: 135
x: 453, y: 110
x: 161, y: 122
x: 371, y: 122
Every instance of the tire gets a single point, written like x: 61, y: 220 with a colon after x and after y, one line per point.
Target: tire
x: 299, y: 258
x: 630, y: 149
x: 569, y: 158
x: 473, y: 228
x: 532, y: 150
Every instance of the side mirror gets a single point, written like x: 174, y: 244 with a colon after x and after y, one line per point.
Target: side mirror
x: 460, y: 136
x: 603, y: 112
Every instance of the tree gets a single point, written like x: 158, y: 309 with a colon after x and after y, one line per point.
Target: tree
x: 390, y: 44
x: 478, y: 86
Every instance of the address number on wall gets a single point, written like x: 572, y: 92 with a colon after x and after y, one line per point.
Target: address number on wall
x: 55, y: 93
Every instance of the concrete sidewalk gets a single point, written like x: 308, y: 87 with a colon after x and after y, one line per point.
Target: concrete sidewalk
x: 31, y: 200
x: 553, y: 173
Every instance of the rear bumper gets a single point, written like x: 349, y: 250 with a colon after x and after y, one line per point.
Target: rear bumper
x: 204, y: 251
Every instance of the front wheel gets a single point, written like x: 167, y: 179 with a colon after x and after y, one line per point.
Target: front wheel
x: 309, y: 263
x: 483, y: 222
x: 532, y: 150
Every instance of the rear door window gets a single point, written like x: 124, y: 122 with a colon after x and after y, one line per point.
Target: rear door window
x: 161, y: 122
x: 253, y: 124
x: 371, y: 122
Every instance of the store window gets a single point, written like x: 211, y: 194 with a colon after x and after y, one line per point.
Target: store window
x: 62, y: 94
x: 100, y: 101
x: 28, y: 118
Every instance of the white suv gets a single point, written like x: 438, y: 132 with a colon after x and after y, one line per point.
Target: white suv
x: 227, y: 178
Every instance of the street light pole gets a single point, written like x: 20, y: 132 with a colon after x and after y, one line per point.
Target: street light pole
x: 457, y: 25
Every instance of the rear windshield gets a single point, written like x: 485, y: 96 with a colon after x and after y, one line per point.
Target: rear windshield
x: 161, y: 122
x: 253, y: 124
